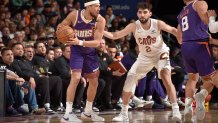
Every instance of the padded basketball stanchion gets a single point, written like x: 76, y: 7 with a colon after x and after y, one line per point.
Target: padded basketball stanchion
x: 2, y: 90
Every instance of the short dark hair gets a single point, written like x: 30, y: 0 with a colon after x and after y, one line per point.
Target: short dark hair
x: 15, y: 44
x: 112, y: 45
x: 88, y: 1
x: 63, y: 48
x: 144, y: 5
x: 3, y: 50
x: 108, y: 6
x: 49, y: 49
x: 29, y: 46
x: 37, y: 43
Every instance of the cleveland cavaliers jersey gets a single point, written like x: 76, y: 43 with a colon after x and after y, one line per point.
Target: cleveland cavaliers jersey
x: 192, y: 27
x: 150, y: 41
x: 84, y: 30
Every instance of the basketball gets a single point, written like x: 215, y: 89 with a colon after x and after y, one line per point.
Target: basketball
x: 64, y: 33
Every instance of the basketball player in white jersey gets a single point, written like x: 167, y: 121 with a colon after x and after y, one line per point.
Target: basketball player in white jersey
x: 153, y: 53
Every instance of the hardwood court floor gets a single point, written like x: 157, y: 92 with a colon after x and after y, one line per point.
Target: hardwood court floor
x: 146, y: 116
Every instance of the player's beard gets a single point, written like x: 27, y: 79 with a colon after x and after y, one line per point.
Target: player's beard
x: 93, y: 15
x: 143, y: 21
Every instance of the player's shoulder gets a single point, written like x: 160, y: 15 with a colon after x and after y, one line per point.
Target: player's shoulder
x: 100, y: 19
x: 200, y: 3
x: 73, y: 13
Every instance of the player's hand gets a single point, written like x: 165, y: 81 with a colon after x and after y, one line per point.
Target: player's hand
x: 211, y: 13
x: 117, y: 73
x: 72, y: 41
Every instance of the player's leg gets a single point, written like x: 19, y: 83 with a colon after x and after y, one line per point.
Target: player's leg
x: 76, y: 63
x: 205, y: 65
x: 88, y: 113
x: 139, y: 69
x: 189, y: 94
x: 71, y: 90
x: 91, y: 72
x: 164, y: 70
x: 189, y: 55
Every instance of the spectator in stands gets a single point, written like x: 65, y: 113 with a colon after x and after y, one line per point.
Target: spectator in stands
x: 57, y: 52
x: 50, y: 55
x: 109, y: 12
x: 20, y: 66
x: 6, y: 35
x: 18, y: 36
x: 53, y: 84
x: 15, y: 83
x: 112, y: 52
x: 50, y: 41
x: 105, y: 76
x: 29, y: 53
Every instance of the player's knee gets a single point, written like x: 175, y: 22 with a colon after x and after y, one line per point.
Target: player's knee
x: 130, y: 83
x: 93, y: 75
x: 93, y: 82
x: 75, y: 80
x: 194, y: 77
x: 207, y: 78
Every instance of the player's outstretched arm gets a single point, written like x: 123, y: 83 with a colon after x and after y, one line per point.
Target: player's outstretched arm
x: 213, y: 25
x: 119, y: 34
x: 165, y: 27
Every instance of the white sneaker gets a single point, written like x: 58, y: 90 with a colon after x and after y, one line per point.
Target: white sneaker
x: 95, y: 109
x: 71, y: 117
x: 176, y: 115
x: 121, y: 118
x: 139, y: 104
x: 143, y: 103
x: 167, y: 104
x: 200, y: 109
x: 92, y: 117
x: 188, y: 112
x: 180, y: 103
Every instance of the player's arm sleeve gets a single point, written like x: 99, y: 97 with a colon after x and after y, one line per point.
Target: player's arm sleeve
x: 213, y: 25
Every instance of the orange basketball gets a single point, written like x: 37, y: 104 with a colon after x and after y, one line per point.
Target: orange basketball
x: 64, y: 33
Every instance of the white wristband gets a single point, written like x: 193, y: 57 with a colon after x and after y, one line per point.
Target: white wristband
x: 80, y: 43
x: 212, y: 19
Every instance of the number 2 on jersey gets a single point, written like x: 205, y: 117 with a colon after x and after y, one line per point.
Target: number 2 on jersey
x: 185, y: 23
x: 148, y: 49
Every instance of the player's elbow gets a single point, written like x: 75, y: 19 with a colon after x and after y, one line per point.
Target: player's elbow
x: 97, y: 44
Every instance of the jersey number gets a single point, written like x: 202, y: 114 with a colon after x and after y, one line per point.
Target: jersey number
x: 185, y: 23
x: 148, y: 49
